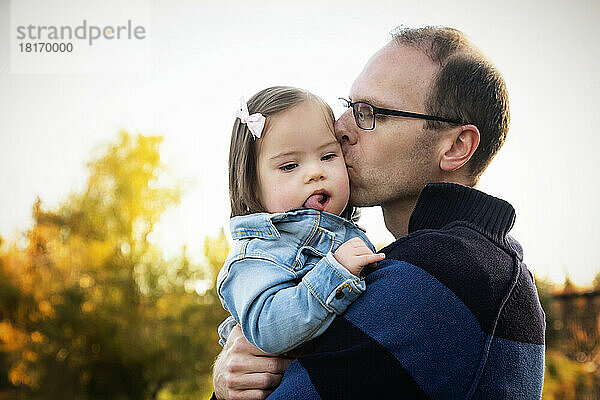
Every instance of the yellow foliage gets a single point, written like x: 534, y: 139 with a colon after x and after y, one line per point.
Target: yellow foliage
x: 46, y: 308
x: 564, y: 377
x: 216, y: 250
x: 12, y: 338
x: 20, y: 375
x: 37, y: 337
x: 87, y: 307
x: 88, y: 288
x: 30, y: 356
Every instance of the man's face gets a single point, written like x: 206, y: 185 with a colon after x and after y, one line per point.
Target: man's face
x: 397, y: 159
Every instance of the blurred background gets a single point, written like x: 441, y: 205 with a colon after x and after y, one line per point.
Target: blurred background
x: 114, y: 207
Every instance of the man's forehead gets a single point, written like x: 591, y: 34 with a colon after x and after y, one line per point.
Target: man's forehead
x: 369, y: 89
x: 373, y: 93
x: 395, y: 75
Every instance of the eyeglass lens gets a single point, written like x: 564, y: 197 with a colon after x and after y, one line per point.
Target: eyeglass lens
x: 363, y: 114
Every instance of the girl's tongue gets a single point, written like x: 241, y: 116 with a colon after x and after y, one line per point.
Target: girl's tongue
x: 316, y: 202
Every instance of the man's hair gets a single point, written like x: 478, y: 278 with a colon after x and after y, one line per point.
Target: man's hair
x: 243, y: 151
x: 467, y: 87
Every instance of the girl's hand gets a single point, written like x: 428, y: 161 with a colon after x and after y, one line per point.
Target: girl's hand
x: 355, y: 254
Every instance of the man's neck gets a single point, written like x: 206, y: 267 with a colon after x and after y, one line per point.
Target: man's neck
x: 397, y: 215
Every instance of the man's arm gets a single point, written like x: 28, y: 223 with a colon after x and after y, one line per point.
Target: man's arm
x: 243, y: 372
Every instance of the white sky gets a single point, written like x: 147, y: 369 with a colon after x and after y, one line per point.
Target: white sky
x: 204, y: 55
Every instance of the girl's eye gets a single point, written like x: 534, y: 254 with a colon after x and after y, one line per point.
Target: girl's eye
x: 328, y: 157
x: 288, y: 167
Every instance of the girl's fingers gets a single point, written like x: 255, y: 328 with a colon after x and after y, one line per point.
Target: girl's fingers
x: 371, y: 258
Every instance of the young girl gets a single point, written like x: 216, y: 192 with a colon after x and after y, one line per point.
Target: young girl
x: 295, y: 262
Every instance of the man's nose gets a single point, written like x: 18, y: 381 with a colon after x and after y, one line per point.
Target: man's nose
x: 345, y: 129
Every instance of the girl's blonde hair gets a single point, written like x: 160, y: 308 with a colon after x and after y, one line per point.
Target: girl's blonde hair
x: 243, y: 174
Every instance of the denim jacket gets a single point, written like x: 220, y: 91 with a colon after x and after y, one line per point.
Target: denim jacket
x: 281, y: 282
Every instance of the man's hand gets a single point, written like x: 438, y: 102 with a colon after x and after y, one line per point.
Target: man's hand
x: 354, y: 254
x: 244, y: 372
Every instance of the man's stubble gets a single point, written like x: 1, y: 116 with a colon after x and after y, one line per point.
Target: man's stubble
x: 400, y: 180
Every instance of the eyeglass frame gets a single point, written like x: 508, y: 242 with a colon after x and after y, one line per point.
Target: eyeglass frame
x: 398, y: 113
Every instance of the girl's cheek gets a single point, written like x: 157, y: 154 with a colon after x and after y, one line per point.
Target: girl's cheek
x: 286, y: 198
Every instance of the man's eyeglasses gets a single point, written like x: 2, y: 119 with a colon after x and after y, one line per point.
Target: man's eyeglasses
x: 364, y: 114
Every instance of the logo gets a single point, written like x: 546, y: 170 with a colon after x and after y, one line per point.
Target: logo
x: 90, y: 33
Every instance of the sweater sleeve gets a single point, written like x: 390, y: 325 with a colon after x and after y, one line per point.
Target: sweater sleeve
x: 276, y: 311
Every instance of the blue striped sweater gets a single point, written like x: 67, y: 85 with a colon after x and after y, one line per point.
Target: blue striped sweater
x: 452, y: 313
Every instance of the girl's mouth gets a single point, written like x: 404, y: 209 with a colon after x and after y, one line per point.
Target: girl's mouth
x: 317, y: 201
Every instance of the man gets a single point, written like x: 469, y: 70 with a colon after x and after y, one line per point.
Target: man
x: 452, y: 312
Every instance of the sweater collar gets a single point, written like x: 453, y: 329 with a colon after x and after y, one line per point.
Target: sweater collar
x: 443, y: 203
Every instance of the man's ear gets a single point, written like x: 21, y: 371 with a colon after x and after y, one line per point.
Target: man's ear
x: 465, y: 141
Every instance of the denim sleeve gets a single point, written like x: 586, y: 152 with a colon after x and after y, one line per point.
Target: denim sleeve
x: 225, y: 329
x: 276, y: 312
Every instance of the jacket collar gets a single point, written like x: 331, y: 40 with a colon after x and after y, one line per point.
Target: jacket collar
x: 264, y: 225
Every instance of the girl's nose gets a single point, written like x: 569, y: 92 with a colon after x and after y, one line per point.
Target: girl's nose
x: 314, y: 175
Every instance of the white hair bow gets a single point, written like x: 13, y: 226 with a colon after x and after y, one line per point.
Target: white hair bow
x: 255, y: 122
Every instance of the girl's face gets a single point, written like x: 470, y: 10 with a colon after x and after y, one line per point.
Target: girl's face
x: 300, y: 162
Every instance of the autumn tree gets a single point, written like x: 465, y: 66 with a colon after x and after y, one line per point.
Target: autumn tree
x: 90, y: 308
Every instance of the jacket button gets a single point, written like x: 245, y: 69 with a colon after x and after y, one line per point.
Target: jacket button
x: 339, y: 294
